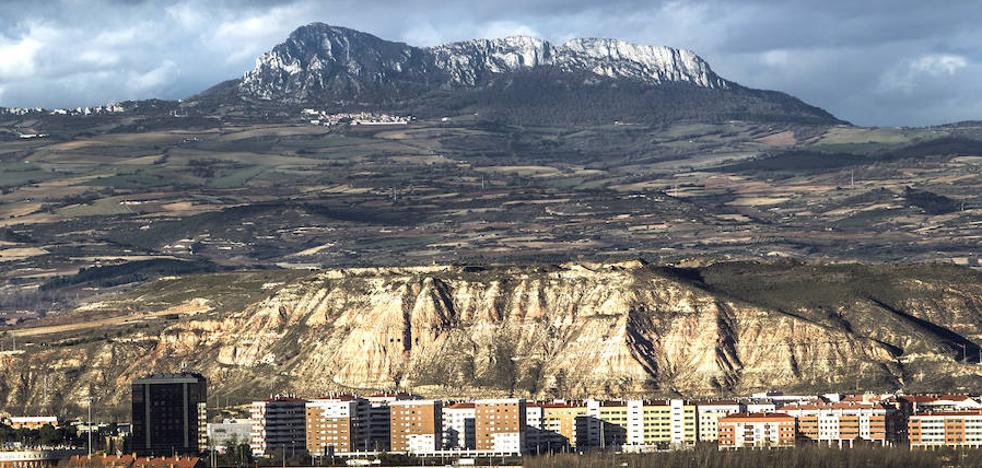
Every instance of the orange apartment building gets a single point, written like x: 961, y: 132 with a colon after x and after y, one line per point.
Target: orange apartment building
x: 500, y: 425
x: 756, y: 430
x: 416, y: 426
x: 945, y: 428
x: 843, y: 423
x: 379, y: 418
x: 338, y: 424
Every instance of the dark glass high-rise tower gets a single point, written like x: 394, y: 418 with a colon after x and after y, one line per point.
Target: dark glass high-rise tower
x: 169, y: 414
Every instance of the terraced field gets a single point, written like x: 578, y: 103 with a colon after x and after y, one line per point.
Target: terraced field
x: 230, y: 194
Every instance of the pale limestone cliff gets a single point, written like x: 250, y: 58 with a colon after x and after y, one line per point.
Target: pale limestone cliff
x: 572, y: 330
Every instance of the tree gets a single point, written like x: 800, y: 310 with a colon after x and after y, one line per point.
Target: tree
x: 6, y: 433
x: 49, y: 435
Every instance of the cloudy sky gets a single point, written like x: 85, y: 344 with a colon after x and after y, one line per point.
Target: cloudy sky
x: 872, y: 62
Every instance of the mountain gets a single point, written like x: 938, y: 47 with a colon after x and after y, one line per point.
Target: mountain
x: 545, y: 330
x: 514, y: 78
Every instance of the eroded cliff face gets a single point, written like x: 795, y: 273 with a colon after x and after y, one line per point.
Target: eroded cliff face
x: 574, y: 330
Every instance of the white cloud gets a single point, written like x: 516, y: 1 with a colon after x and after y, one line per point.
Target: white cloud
x: 244, y: 38
x: 153, y: 80
x: 776, y: 58
x: 19, y: 58
x: 940, y: 64
x: 424, y: 34
x: 186, y: 15
x: 865, y: 64
x: 913, y: 74
x: 99, y: 58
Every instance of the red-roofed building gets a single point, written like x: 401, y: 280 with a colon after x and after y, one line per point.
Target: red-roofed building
x: 844, y: 423
x: 756, y: 430
x: 130, y: 461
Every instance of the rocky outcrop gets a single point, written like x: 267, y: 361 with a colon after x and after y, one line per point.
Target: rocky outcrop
x: 571, y: 330
x: 319, y: 59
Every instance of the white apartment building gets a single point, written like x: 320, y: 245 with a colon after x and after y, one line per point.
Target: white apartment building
x: 229, y: 431
x: 709, y: 414
x: 760, y: 406
x: 458, y: 426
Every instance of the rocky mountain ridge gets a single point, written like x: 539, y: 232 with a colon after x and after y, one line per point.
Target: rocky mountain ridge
x: 574, y: 330
x: 518, y: 79
x: 318, y: 56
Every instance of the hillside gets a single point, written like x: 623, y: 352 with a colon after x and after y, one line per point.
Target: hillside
x: 572, y: 330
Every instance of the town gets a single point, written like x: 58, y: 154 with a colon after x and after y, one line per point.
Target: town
x: 170, y: 424
x: 326, y: 119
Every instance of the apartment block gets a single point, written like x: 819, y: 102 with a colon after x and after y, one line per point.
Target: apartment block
x: 756, y: 430
x: 459, y: 430
x: 416, y: 425
x: 945, y: 428
x: 759, y: 406
x: 660, y: 424
x: 566, y: 422
x: 169, y: 414
x: 337, y: 424
x: 913, y: 404
x: 278, y: 423
x: 709, y: 413
x: 843, y: 423
x: 606, y: 424
x: 379, y: 418
x: 500, y: 425
x: 553, y: 426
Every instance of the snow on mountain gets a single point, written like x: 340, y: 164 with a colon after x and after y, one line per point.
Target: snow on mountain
x: 319, y: 58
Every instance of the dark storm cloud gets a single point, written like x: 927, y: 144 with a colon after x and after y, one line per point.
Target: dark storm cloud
x: 872, y: 62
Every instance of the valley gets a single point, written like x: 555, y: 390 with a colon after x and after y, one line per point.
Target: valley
x: 594, y: 218
x: 290, y: 195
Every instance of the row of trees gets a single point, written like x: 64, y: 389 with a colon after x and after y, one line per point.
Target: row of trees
x: 51, y: 436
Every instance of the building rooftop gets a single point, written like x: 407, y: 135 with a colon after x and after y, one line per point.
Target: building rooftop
x: 757, y: 417
x: 282, y: 398
x: 933, y: 398
x: 711, y: 402
x: 949, y: 413
x: 842, y: 405
x: 460, y: 405
x: 130, y: 461
x: 171, y: 378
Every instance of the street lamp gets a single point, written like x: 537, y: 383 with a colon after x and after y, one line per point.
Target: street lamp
x: 88, y: 424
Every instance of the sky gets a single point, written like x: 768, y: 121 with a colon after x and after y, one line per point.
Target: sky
x: 871, y: 62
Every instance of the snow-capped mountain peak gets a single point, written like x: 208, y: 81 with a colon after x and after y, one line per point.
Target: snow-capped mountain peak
x: 319, y: 58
